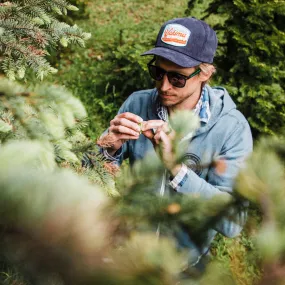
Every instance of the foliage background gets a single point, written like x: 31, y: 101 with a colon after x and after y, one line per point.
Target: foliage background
x: 110, y: 68
x: 250, y: 57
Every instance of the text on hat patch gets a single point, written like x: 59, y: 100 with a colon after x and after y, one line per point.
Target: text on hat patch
x: 176, y: 35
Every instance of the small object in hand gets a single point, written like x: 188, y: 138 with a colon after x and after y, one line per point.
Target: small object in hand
x: 140, y: 125
x: 169, y: 130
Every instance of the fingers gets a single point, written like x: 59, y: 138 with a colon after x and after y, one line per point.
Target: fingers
x: 130, y: 125
x: 162, y: 138
x: 130, y: 116
x: 163, y: 145
x: 121, y: 129
x: 156, y: 125
x: 116, y: 137
x: 126, y: 123
x: 152, y: 124
x: 127, y: 117
x: 148, y: 134
x: 150, y: 127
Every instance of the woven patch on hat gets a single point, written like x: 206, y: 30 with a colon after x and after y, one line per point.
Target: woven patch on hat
x: 176, y: 35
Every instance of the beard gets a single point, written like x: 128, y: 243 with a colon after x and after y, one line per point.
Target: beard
x: 167, y: 99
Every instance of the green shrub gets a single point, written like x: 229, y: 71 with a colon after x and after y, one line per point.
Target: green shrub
x: 111, y: 69
x: 250, y: 57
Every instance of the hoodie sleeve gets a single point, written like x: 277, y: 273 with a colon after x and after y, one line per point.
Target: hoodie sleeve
x: 234, y: 153
x: 135, y: 103
x: 122, y: 153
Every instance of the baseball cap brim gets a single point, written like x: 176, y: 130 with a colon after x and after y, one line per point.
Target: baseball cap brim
x: 173, y: 56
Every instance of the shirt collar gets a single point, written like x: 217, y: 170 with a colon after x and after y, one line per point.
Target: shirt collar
x: 202, y: 108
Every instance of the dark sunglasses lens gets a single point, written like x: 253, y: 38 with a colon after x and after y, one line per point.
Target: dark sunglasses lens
x: 155, y: 72
x: 176, y: 79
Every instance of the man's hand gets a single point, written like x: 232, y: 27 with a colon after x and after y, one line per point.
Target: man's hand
x: 123, y: 127
x: 161, y: 135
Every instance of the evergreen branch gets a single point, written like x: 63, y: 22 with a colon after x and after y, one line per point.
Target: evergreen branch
x: 44, y: 113
x: 27, y: 28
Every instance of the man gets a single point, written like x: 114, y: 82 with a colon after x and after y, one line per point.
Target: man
x: 181, y: 66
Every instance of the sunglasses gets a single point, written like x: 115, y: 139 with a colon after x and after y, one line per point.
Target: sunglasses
x: 174, y: 78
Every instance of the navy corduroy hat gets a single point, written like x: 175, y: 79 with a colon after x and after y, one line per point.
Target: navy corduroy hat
x: 186, y: 42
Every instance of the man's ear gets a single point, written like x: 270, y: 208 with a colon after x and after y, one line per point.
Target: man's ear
x: 203, y: 76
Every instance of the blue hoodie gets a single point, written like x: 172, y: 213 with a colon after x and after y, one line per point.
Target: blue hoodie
x: 226, y: 136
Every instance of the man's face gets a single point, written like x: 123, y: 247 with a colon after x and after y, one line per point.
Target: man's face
x: 174, y: 97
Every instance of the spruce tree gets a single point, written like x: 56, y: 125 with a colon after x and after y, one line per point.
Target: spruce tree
x: 263, y: 183
x: 45, y: 112
x: 82, y: 237
x: 51, y: 115
x: 27, y: 29
x: 250, y: 57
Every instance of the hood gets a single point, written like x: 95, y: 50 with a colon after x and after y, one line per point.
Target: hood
x: 220, y: 104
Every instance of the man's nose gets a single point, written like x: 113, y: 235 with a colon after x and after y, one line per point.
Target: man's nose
x: 165, y: 84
